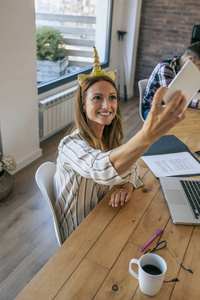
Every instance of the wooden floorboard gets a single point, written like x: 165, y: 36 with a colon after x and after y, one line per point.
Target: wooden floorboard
x: 27, y: 236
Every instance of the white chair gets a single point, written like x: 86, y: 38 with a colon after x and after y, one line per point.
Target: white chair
x: 142, y: 87
x: 44, y: 177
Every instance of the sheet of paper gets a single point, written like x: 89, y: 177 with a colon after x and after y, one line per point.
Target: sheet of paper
x: 173, y: 164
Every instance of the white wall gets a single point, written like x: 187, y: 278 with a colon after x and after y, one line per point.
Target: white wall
x: 126, y: 18
x: 18, y: 82
x: 131, y: 23
x: 18, y: 79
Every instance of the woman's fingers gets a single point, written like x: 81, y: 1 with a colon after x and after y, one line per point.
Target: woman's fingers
x: 179, y: 109
x: 119, y: 197
x: 175, y: 105
x: 162, y: 118
x: 157, y: 99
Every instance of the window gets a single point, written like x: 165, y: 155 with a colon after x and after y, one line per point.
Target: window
x: 82, y: 24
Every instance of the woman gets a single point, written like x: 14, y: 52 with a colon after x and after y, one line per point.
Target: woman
x: 92, y: 158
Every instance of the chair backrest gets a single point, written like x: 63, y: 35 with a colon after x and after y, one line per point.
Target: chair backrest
x: 44, y: 177
x: 195, y: 34
x: 142, y: 87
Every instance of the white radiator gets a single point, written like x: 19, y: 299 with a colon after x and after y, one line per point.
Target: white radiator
x: 56, y: 112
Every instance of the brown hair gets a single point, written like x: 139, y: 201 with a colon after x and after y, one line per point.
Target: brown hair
x: 113, y: 133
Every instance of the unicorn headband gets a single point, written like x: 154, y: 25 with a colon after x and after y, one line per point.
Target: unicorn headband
x: 96, y: 71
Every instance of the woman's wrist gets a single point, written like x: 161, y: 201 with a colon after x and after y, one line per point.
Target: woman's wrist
x: 128, y: 186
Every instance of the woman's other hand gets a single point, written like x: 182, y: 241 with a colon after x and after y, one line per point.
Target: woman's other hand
x: 121, y: 196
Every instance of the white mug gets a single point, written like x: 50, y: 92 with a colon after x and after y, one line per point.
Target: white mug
x: 151, y: 272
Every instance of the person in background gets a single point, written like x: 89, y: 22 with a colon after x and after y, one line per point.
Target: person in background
x: 92, y: 159
x: 164, y: 73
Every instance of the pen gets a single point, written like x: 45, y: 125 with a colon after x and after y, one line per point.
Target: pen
x: 151, y: 240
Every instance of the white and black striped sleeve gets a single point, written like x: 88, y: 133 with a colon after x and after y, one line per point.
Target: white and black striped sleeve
x: 92, y: 163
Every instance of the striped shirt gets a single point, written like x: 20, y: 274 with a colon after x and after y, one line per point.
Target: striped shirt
x: 83, y: 177
x: 162, y: 75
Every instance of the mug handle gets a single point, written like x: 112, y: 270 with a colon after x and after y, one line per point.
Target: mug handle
x: 133, y: 261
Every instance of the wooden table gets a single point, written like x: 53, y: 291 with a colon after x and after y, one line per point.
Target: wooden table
x: 93, y: 262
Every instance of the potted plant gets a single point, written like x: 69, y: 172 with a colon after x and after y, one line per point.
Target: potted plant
x: 51, y: 62
x: 7, y: 163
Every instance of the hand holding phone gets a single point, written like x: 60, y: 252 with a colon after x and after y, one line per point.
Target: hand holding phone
x: 187, y: 80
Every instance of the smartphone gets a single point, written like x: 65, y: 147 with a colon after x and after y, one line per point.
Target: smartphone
x: 197, y: 153
x: 187, y: 80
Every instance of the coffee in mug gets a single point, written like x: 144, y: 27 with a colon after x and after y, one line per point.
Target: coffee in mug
x: 151, y: 272
x: 151, y: 269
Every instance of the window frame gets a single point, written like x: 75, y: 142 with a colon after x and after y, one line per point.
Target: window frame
x: 64, y: 79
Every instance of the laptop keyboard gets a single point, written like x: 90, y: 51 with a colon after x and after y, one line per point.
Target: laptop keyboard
x: 192, y: 190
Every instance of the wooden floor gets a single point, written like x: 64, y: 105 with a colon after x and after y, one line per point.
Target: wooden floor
x: 27, y: 236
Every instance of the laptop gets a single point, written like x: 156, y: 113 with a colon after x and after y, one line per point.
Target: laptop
x: 183, y: 198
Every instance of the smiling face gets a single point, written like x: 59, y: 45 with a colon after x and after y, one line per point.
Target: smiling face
x: 100, y: 105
